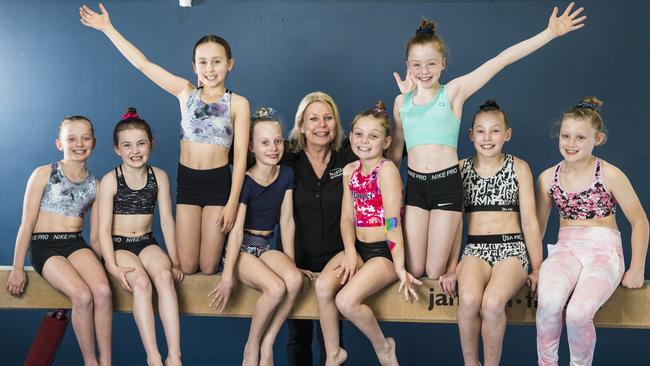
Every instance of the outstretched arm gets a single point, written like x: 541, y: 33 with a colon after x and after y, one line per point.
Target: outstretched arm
x: 462, y: 88
x: 101, y: 21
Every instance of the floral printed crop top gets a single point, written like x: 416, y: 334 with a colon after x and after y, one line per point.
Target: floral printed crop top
x: 592, y: 203
x: 207, y: 123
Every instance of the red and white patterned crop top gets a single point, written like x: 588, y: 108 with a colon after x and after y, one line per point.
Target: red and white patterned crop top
x: 368, y: 204
x: 594, y: 202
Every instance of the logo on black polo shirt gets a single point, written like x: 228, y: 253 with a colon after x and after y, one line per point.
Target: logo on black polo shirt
x: 336, y: 172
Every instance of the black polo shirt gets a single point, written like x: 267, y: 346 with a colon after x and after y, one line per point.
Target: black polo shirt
x: 317, y: 207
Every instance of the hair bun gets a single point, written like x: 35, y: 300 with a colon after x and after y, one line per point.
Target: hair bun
x: 130, y: 113
x: 489, y: 104
x: 264, y: 113
x: 380, y: 107
x: 592, y: 103
x: 426, y: 27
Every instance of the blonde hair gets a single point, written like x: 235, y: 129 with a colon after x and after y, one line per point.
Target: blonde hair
x: 297, y: 140
x: 378, y: 112
x: 588, y: 110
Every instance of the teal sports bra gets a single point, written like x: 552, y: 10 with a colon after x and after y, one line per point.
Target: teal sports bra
x: 431, y: 123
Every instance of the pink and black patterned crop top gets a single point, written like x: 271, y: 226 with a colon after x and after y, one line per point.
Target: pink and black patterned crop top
x: 368, y: 204
x: 592, y: 203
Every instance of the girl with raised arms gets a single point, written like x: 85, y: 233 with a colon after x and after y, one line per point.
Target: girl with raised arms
x: 427, y: 119
x: 214, y: 120
x: 266, y: 198
x: 131, y: 253
x: 503, y: 233
x: 371, y: 229
x: 57, y: 198
x: 586, y: 264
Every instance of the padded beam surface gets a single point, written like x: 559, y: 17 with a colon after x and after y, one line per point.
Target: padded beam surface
x: 625, y: 309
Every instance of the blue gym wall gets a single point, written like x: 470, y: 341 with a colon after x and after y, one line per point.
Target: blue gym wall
x: 52, y: 66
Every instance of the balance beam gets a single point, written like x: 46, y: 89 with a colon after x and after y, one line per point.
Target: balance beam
x: 625, y: 309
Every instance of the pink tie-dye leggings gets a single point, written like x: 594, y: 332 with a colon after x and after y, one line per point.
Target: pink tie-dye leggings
x: 587, y: 261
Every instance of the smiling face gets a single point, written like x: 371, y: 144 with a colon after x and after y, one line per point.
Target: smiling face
x: 577, y: 138
x: 211, y: 64
x: 425, y: 62
x: 368, y: 138
x: 76, y: 140
x: 267, y: 143
x: 489, y: 133
x: 318, y: 124
x: 133, y: 147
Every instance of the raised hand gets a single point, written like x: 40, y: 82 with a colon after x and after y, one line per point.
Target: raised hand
x: 567, y: 22
x: 99, y: 21
x: 405, y: 85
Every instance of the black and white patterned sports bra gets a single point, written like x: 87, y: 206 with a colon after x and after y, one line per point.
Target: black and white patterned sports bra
x: 499, y: 192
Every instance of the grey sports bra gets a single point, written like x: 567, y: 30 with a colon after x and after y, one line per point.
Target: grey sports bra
x: 65, y: 197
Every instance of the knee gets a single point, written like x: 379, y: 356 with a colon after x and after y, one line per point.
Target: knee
x: 164, y: 277
x: 188, y: 268
x: 469, y: 303
x: 209, y: 268
x: 434, y: 272
x: 102, y: 294
x: 492, y: 308
x: 346, y: 304
x: 276, y: 291
x: 82, y: 298
x: 142, y: 285
x: 293, y: 283
x: 549, y: 306
x: 579, y: 315
x: 324, y: 289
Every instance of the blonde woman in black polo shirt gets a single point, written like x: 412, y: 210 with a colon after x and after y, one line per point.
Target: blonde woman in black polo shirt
x: 318, y: 154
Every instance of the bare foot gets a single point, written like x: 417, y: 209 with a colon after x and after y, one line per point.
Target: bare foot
x: 173, y: 360
x: 387, y: 356
x: 337, y: 358
x: 251, y: 356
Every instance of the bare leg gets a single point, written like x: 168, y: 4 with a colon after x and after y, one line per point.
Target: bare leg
x: 211, y: 240
x: 416, y: 224
x: 59, y: 273
x: 254, y: 273
x: 508, y: 276
x: 473, y: 276
x: 442, y: 231
x: 158, y: 266
x: 142, y: 304
x: 326, y: 287
x: 284, y: 267
x: 188, y: 237
x: 373, y: 276
x: 93, y: 273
